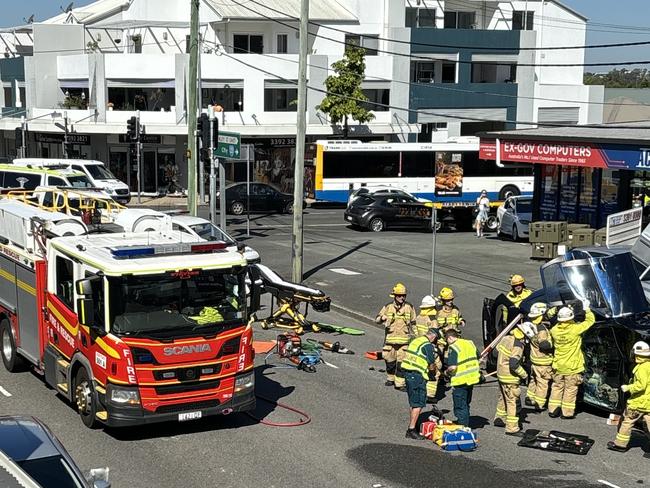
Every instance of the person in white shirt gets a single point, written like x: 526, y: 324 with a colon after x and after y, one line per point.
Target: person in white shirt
x: 483, y: 205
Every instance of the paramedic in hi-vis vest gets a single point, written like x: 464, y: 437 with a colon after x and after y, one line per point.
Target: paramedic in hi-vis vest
x: 638, y: 405
x: 464, y: 372
x: 423, y: 322
x: 568, y: 358
x: 420, y: 359
x: 541, y: 358
x: 398, y: 318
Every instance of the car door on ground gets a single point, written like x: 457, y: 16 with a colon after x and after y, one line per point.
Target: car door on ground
x: 507, y: 219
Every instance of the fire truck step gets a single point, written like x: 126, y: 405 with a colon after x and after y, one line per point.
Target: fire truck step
x: 100, y: 389
x: 63, y: 387
x: 103, y: 415
x: 62, y: 363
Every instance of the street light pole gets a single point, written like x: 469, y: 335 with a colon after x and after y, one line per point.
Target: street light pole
x: 192, y: 109
x: 299, y: 170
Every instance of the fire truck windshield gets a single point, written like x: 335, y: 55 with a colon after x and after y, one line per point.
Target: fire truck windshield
x: 187, y: 299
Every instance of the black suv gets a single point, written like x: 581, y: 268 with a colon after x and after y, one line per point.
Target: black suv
x: 262, y: 198
x: 381, y: 211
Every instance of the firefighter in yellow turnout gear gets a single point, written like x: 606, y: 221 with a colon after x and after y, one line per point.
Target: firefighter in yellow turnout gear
x: 510, y: 374
x: 638, y: 405
x: 518, y: 291
x: 449, y: 316
x: 425, y: 321
x: 541, y: 358
x: 398, y: 318
x: 568, y: 360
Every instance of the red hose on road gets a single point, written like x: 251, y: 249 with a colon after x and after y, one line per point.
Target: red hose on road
x: 302, y: 421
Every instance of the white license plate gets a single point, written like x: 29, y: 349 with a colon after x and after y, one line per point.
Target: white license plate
x: 182, y: 417
x: 350, y: 218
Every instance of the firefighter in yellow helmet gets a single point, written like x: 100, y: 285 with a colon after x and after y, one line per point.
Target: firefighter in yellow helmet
x: 449, y: 316
x: 518, y: 291
x: 568, y: 358
x: 425, y: 321
x: 541, y: 357
x: 398, y: 319
x: 638, y: 405
x: 510, y: 373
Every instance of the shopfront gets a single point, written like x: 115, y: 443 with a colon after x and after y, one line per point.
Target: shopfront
x: 582, y: 174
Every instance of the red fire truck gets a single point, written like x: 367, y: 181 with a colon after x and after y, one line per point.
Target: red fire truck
x: 130, y: 328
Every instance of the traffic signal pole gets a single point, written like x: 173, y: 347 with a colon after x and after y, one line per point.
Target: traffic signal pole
x: 192, y: 110
x: 138, y: 156
x: 213, y: 173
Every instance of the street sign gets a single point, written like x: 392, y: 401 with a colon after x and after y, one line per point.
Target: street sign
x: 624, y: 227
x: 229, y: 145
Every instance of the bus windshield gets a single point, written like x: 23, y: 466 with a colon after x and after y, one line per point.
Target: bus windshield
x: 164, y: 303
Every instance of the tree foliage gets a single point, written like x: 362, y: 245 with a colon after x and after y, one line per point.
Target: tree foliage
x: 344, y: 99
x: 620, y: 78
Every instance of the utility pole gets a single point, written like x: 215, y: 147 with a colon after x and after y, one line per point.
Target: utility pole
x: 199, y: 97
x: 213, y: 173
x: 299, y: 170
x: 222, y: 192
x: 192, y: 160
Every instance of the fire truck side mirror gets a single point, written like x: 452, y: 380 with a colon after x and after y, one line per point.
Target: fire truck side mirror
x: 256, y: 289
x: 84, y: 287
x: 86, y: 311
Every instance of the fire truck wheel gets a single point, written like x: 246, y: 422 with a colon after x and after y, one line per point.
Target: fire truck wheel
x: 10, y: 358
x: 85, y: 399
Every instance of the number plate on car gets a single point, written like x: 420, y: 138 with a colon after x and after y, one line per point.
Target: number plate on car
x: 182, y: 417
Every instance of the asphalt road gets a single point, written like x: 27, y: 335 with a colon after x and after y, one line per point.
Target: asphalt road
x: 356, y: 434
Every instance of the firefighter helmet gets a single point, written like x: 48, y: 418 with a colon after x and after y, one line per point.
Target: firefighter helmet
x: 398, y: 289
x: 447, y: 294
x: 565, y: 315
x: 428, y: 302
x: 518, y: 333
x: 537, y: 310
x: 516, y: 280
x: 528, y: 328
x: 642, y: 349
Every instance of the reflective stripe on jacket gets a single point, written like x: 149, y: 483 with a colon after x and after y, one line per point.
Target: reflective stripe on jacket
x: 399, y: 323
x: 467, y: 366
x: 415, y: 359
x: 567, y: 339
x: 449, y: 318
x: 424, y: 322
x: 640, y: 387
x: 517, y: 299
x: 541, y: 339
x: 509, y: 369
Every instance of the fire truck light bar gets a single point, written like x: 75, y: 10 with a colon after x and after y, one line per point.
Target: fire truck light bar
x: 130, y: 252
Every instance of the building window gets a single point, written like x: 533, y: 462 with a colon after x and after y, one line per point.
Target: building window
x: 494, y: 73
x: 136, y: 47
x: 280, y: 98
x: 423, y: 71
x: 378, y: 99
x: 248, y: 43
x: 522, y: 20
x: 147, y: 99
x: 282, y: 43
x: 231, y: 99
x: 427, y: 130
x: 448, y: 72
x: 370, y: 43
x: 459, y: 20
x: 9, y: 96
x: 420, y: 17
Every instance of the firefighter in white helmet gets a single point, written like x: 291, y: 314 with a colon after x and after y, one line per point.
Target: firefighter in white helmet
x: 541, y: 357
x: 638, y: 405
x: 568, y: 358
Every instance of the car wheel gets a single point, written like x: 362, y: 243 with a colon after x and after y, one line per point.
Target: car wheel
x: 85, y: 399
x: 376, y: 225
x: 515, y: 233
x: 508, y: 191
x: 10, y: 358
x: 492, y: 223
x: 288, y: 208
x: 237, y: 208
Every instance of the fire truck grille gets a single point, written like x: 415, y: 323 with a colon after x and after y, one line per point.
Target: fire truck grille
x: 187, y: 406
x: 187, y: 374
x: 187, y: 387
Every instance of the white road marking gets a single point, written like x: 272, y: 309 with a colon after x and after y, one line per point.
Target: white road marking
x: 344, y: 271
x: 607, y: 483
x: 330, y: 365
x: 4, y: 392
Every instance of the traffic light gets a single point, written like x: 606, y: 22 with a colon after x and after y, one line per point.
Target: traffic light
x: 132, y: 129
x: 19, y: 138
x: 215, y: 131
x: 133, y: 153
x: 203, y: 130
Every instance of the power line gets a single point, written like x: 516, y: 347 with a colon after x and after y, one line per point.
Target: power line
x: 421, y: 57
x: 435, y: 114
x: 442, y: 86
x: 450, y: 46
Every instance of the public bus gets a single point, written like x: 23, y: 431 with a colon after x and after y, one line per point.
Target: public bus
x: 449, y: 173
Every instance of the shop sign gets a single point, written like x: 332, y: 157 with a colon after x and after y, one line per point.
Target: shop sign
x: 614, y: 156
x: 144, y: 139
x: 624, y: 227
x: 80, y: 139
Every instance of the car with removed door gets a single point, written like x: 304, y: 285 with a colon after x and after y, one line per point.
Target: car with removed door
x: 380, y: 212
x: 261, y: 198
x: 32, y: 446
x: 514, y: 217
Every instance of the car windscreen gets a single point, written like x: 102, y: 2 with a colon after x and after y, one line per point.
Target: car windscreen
x: 51, y: 471
x: 211, y: 232
x: 620, y: 286
x: 80, y: 181
x: 99, y: 172
x: 524, y: 206
x: 363, y: 200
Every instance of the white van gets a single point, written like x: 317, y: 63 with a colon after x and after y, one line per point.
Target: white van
x: 13, y: 177
x: 96, y: 171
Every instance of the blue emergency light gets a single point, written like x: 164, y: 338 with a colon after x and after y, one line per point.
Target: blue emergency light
x: 130, y: 252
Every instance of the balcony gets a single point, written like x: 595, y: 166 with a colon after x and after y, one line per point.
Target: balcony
x: 463, y: 40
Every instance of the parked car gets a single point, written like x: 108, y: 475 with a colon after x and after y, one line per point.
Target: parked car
x: 204, y: 229
x: 33, y: 447
x: 609, y: 280
x: 383, y: 190
x: 263, y: 198
x: 379, y: 212
x: 96, y: 171
x: 514, y: 217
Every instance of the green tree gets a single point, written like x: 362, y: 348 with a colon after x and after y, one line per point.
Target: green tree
x: 344, y: 99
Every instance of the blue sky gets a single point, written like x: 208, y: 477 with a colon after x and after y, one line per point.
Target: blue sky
x: 623, y: 12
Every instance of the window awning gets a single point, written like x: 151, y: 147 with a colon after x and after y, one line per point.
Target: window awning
x: 140, y: 83
x: 222, y: 84
x: 280, y: 84
x: 73, y: 84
